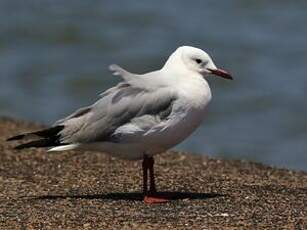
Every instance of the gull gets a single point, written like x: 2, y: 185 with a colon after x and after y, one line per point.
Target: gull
x: 143, y: 115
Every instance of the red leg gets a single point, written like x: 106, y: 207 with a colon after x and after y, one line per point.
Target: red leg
x: 145, y: 175
x: 151, y: 196
x: 152, y: 188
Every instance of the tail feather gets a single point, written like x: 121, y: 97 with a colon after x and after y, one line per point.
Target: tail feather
x: 64, y: 147
x: 15, y: 138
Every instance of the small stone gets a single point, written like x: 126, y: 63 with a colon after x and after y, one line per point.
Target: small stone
x: 86, y: 225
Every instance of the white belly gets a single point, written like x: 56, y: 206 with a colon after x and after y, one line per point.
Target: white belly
x: 150, y: 143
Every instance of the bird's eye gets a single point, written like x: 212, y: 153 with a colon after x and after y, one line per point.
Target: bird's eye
x: 198, y: 61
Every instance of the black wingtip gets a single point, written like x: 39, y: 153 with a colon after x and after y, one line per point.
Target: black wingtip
x: 36, y: 144
x: 15, y: 138
x: 45, y: 133
x: 19, y: 147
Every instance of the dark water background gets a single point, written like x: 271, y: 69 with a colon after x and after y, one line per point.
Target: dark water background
x: 54, y: 57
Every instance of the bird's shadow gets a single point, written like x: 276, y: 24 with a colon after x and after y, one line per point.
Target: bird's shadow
x: 130, y: 196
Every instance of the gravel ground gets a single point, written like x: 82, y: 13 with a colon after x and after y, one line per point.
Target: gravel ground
x: 73, y: 190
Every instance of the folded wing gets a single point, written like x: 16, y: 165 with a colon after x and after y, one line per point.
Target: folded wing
x: 122, y: 107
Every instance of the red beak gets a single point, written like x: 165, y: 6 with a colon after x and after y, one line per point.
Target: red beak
x: 220, y: 73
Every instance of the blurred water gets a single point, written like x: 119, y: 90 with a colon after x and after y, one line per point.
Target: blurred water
x: 54, y: 57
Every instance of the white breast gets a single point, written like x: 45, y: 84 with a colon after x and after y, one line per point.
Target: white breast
x: 188, y: 113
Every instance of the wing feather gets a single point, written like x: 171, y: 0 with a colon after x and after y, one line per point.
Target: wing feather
x: 119, y: 106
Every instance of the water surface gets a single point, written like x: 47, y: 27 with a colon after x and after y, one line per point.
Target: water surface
x: 54, y: 57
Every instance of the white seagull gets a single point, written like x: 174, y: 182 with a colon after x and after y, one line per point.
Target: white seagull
x: 142, y: 116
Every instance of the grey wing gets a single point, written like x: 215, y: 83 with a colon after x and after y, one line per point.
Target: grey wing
x: 118, y: 108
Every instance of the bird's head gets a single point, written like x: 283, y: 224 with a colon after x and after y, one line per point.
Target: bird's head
x: 197, y: 60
